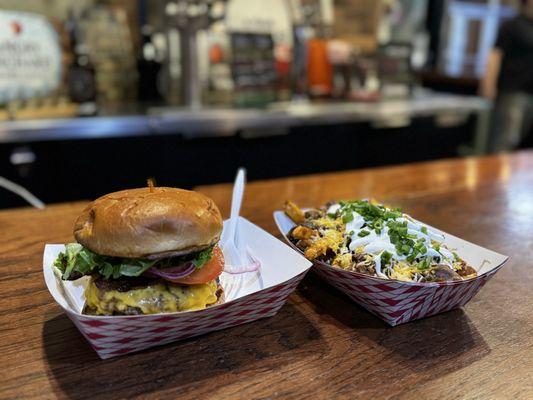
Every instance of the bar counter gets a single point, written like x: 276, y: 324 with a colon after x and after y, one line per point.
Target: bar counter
x: 221, y: 122
x: 320, y: 344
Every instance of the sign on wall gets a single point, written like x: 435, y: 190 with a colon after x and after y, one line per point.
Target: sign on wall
x: 30, y: 56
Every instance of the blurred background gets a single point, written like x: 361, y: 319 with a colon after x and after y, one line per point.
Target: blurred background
x: 97, y: 96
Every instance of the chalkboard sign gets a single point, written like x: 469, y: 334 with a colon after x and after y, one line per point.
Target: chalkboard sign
x: 253, y: 68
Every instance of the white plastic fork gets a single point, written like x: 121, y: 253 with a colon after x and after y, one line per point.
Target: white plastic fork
x: 230, y: 244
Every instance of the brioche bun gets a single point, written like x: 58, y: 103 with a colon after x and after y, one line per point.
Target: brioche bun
x: 149, y: 223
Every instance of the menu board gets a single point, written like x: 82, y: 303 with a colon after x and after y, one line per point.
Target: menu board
x: 253, y: 68
x: 30, y: 56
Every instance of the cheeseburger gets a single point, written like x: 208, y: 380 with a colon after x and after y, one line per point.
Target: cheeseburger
x: 149, y: 250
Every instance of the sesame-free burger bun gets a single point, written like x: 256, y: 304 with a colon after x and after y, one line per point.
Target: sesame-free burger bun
x: 149, y: 223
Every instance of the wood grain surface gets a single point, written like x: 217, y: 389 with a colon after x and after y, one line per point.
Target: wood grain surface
x: 320, y: 344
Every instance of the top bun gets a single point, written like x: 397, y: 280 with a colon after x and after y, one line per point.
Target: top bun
x: 140, y: 223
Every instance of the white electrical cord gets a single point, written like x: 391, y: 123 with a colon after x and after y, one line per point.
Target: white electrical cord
x: 21, y: 191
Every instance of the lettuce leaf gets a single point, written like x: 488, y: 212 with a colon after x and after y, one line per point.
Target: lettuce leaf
x: 203, y: 257
x: 77, y: 261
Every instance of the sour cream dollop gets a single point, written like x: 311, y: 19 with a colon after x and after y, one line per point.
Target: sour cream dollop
x: 375, y: 243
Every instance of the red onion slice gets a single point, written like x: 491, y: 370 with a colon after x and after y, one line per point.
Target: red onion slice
x: 241, y: 269
x: 178, y: 269
x: 172, y: 273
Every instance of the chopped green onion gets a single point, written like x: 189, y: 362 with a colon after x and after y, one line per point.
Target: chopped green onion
x: 386, y: 257
x: 347, y: 218
x: 425, y: 263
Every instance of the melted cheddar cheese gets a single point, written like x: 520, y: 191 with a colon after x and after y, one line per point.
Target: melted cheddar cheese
x: 330, y: 223
x: 403, y: 271
x: 343, y: 260
x: 158, y: 298
x: 330, y: 239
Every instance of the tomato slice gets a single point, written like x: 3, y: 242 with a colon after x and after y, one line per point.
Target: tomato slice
x: 210, y: 271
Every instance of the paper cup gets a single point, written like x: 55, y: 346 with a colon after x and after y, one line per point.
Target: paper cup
x: 397, y: 302
x: 249, y: 296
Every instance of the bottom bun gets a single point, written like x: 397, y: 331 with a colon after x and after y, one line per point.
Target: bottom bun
x: 139, y: 296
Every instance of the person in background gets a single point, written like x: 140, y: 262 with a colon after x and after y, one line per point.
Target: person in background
x: 509, y: 81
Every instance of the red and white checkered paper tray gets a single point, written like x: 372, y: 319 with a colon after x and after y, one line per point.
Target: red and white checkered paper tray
x: 249, y: 296
x: 397, y: 302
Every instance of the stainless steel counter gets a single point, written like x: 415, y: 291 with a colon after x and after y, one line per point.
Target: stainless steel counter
x: 271, y: 121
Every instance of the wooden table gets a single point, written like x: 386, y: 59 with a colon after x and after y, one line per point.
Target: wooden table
x: 320, y: 344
